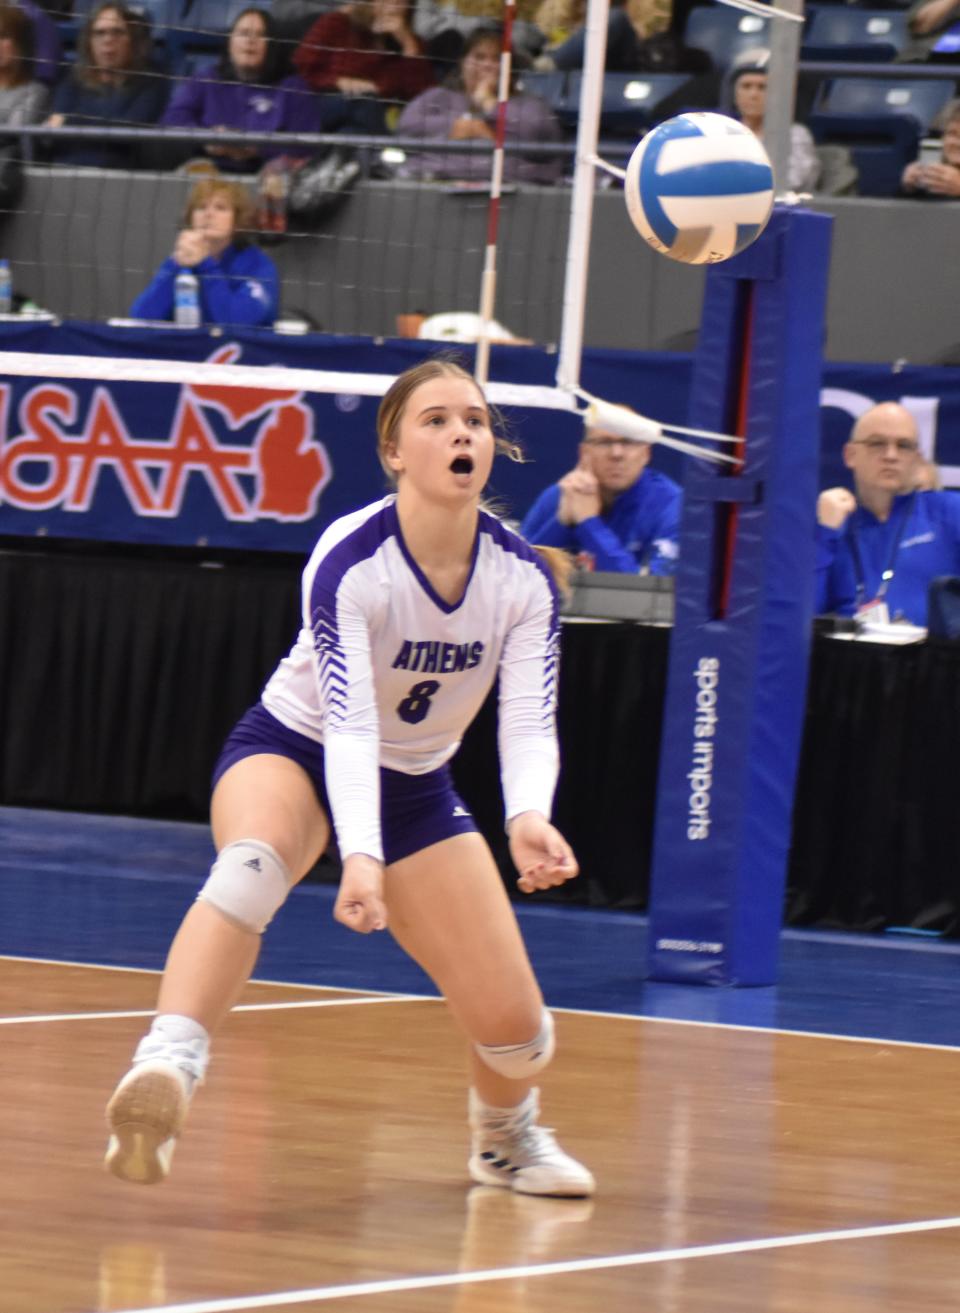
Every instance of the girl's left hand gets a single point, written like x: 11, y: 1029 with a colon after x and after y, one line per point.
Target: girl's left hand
x: 540, y: 853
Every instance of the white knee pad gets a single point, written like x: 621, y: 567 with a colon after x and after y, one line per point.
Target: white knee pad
x: 247, y: 883
x: 517, y: 1061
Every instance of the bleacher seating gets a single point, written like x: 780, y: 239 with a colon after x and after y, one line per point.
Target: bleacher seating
x: 551, y: 87
x: 881, y: 122
x: 631, y: 102
x: 724, y: 33
x: 161, y: 13
x: 856, y: 35
x: 196, y: 29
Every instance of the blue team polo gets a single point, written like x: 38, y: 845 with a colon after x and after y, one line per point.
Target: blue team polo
x: 640, y: 528
x: 919, y: 541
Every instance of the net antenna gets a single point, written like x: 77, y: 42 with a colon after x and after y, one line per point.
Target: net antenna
x: 488, y: 284
x: 619, y: 418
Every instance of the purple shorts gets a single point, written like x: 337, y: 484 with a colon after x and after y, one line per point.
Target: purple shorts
x: 415, y: 810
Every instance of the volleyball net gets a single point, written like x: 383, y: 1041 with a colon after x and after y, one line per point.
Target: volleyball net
x: 250, y: 444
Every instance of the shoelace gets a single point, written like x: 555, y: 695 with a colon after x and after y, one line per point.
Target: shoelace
x: 523, y: 1136
x: 536, y: 1144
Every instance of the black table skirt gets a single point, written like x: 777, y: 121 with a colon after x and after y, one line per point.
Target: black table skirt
x: 120, y: 677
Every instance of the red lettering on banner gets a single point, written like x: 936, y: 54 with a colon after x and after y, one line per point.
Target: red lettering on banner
x: 105, y: 441
x: 41, y: 443
x: 279, y: 476
x: 194, y: 447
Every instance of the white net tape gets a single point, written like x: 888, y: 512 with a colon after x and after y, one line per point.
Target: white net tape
x: 269, y: 377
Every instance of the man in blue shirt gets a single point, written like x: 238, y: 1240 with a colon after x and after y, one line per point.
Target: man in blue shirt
x: 879, y: 550
x: 611, y: 509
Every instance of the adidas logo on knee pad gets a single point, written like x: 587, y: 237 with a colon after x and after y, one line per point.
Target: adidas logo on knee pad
x: 520, y: 1061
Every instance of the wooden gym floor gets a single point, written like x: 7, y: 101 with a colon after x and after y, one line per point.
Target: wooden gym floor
x: 739, y: 1167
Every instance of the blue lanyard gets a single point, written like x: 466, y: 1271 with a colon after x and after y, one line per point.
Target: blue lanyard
x: 888, y: 571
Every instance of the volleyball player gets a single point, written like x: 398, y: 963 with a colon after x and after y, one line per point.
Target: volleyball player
x: 411, y: 607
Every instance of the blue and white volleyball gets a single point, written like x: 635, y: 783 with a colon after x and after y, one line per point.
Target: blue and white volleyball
x: 699, y: 188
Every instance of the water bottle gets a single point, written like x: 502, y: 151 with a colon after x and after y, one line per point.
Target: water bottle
x: 186, y: 300
x: 6, y: 288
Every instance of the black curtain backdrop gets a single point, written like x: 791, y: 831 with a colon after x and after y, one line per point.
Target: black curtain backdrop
x: 876, y: 826
x: 120, y: 677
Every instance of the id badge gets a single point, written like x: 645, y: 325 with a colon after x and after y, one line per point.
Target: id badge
x: 874, y: 613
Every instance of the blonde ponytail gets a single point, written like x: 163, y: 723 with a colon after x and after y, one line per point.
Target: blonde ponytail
x: 560, y: 564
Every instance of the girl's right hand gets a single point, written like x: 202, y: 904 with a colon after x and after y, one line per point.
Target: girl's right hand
x: 360, y: 904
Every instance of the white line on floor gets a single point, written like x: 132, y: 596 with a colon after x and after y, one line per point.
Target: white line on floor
x: 880, y: 1040
x: 243, y: 1007
x: 324, y: 1294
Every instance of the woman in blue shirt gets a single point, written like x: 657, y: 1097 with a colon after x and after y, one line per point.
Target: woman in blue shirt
x: 111, y: 85
x: 238, y: 283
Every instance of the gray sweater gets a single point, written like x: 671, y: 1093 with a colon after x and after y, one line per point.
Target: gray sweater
x: 24, y: 104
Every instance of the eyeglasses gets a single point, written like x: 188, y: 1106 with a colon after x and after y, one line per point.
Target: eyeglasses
x: 108, y: 31
x: 902, y: 446
x: 608, y: 444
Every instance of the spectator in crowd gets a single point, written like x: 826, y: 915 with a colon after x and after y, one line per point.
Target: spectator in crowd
x: 110, y: 85
x: 881, y: 545
x: 465, y: 109
x: 23, y: 99
x: 612, y: 511
x: 630, y: 23
x: 238, y: 283
x: 747, y: 94
x: 245, y: 90
x: 363, y: 55
x: 938, y: 177
x: 444, y: 26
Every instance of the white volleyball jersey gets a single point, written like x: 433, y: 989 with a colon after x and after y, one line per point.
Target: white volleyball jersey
x: 386, y: 673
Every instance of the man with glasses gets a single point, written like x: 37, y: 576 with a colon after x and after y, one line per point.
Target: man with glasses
x: 879, y: 547
x: 611, y: 511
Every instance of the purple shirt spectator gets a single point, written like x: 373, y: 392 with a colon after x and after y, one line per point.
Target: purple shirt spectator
x: 432, y: 115
x: 245, y: 90
x: 465, y: 109
x: 209, y: 100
